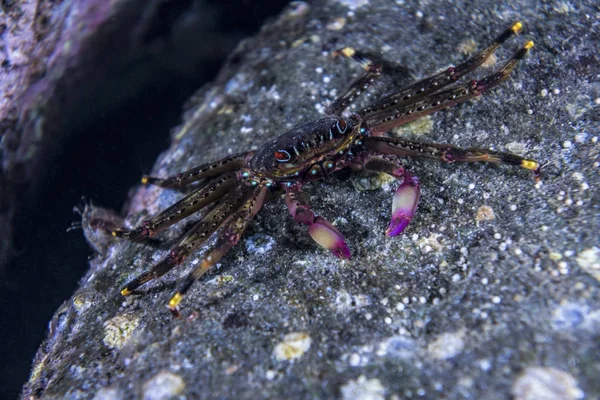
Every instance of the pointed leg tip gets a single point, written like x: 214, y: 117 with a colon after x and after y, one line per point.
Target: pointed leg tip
x: 175, y: 300
x: 517, y: 26
x: 342, y: 252
x: 119, y: 232
x: 346, y: 52
x: 397, y: 226
x: 174, y: 303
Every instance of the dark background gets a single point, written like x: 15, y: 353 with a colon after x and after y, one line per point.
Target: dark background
x: 100, y: 165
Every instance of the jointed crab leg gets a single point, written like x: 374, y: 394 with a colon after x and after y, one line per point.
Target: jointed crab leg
x: 434, y: 83
x: 193, y: 202
x: 232, y: 232
x: 208, y: 170
x: 190, y: 241
x: 322, y: 232
x: 447, y: 152
x: 360, y: 85
x: 403, y: 113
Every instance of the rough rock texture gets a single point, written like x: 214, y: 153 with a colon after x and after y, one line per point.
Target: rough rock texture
x: 62, y: 63
x: 492, y: 292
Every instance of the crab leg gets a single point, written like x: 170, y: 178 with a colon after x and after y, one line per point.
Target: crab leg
x: 322, y: 232
x: 406, y: 197
x: 360, y: 85
x: 420, y: 89
x: 189, y: 242
x: 193, y: 202
x: 407, y: 112
x: 447, y: 152
x: 234, y: 228
x: 208, y: 170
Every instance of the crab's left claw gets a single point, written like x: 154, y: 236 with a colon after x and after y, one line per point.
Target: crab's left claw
x: 404, y: 204
x: 327, y: 236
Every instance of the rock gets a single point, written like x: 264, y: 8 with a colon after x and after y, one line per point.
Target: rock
x: 65, y: 63
x: 538, y: 383
x: 495, y: 290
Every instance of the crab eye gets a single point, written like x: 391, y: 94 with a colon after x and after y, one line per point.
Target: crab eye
x: 340, y: 127
x: 283, y: 156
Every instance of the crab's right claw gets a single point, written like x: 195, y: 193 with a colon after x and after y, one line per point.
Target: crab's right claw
x: 328, y: 237
x: 404, y: 205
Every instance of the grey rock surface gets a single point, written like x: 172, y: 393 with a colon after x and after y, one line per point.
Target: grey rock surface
x: 493, y: 291
x: 65, y: 63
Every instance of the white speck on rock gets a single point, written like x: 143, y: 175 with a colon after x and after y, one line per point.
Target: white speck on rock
x: 568, y: 316
x: 336, y: 24
x: 294, y: 345
x: 447, y: 345
x: 399, y: 346
x: 364, y: 389
x: 516, y: 147
x: 119, y: 329
x: 163, y: 385
x: 589, y: 261
x: 259, y: 244
x: 355, y: 359
x: 538, y: 383
x: 353, y: 4
x: 108, y: 393
x: 485, y: 365
x: 271, y: 374
x: 431, y: 243
x: 485, y: 213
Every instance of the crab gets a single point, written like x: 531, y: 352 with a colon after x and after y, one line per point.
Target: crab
x: 235, y: 188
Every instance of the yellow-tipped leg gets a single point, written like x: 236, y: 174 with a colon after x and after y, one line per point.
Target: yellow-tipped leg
x: 174, y: 302
x: 530, y: 164
x: 528, y: 45
x: 346, y: 52
x: 145, y: 179
x: 125, y: 292
x: 517, y: 26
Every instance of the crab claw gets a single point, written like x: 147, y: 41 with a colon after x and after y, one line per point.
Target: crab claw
x: 404, y: 205
x: 328, y: 237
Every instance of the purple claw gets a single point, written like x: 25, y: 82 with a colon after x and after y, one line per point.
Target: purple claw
x: 404, y: 205
x: 328, y: 237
